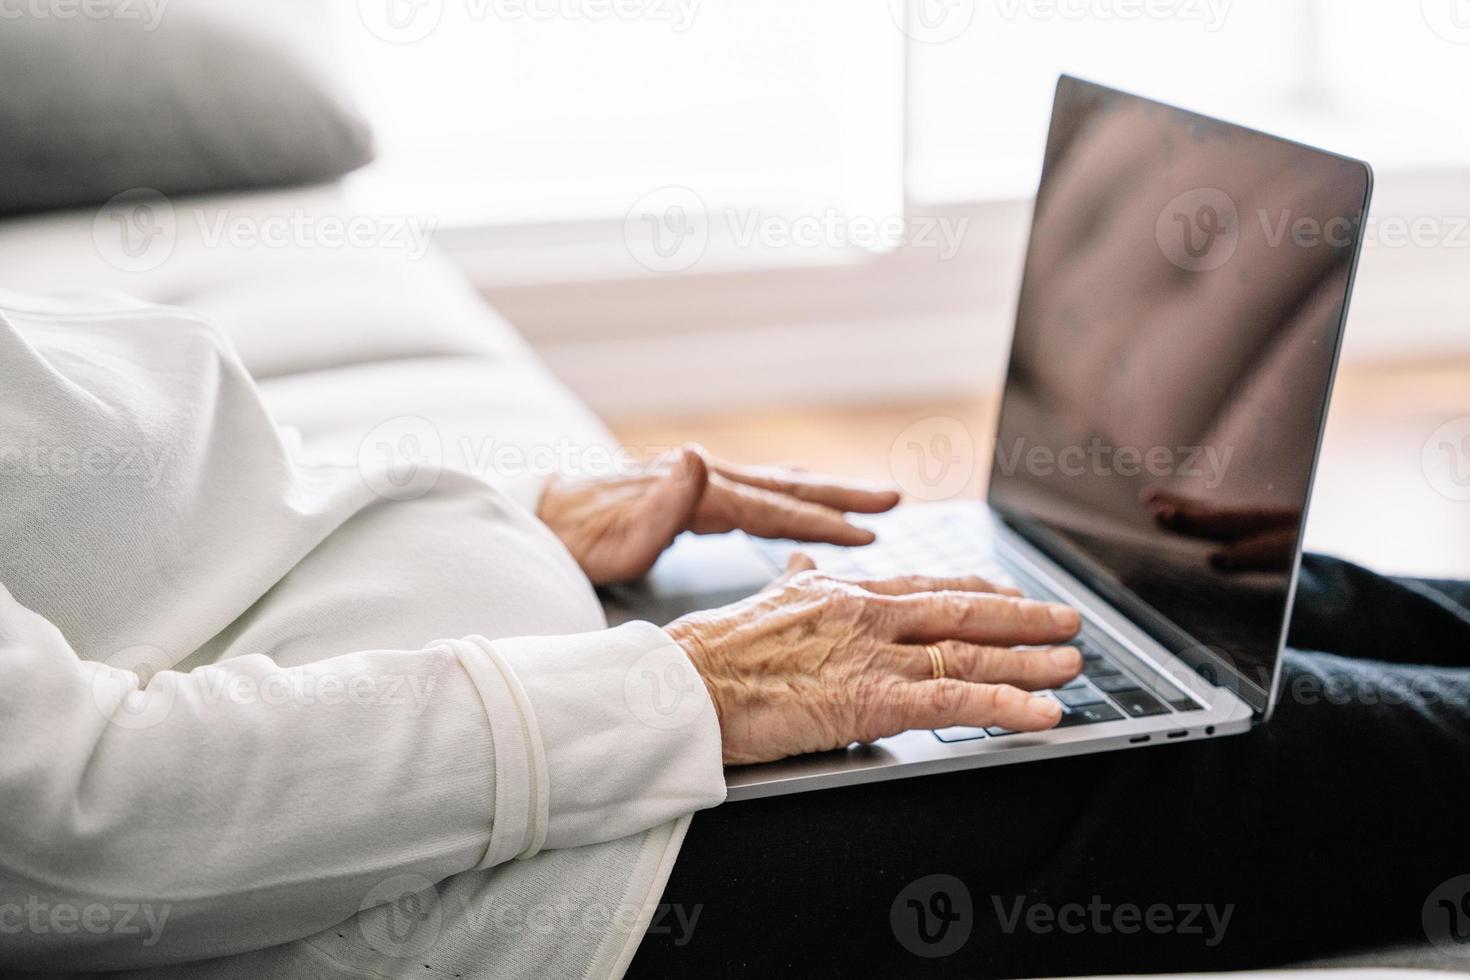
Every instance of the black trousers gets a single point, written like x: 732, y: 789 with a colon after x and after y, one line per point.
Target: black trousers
x: 1327, y: 830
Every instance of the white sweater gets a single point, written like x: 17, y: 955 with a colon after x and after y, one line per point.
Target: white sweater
x: 251, y: 709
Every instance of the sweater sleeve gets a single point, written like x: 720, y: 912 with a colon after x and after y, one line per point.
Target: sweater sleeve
x: 241, y: 805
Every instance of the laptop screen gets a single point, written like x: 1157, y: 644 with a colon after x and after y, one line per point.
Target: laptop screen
x: 1183, y: 301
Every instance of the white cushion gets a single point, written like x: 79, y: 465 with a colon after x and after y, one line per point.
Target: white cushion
x: 309, y: 303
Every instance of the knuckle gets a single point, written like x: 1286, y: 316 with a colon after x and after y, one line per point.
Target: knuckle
x: 1038, y: 618
x: 875, y: 705
x: 990, y: 698
x: 1008, y: 699
x: 872, y: 607
x: 944, y: 699
x: 988, y: 661
x: 869, y: 696
x: 956, y: 608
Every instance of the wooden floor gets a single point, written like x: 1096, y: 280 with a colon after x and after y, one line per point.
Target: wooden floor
x: 1375, y: 501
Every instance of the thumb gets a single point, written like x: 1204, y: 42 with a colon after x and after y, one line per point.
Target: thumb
x: 638, y: 532
x: 668, y: 509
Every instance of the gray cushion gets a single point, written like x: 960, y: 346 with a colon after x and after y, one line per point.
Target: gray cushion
x: 178, y: 97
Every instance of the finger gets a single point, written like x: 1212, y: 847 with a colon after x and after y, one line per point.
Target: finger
x: 1031, y: 670
x: 947, y: 703
x: 799, y: 562
x: 908, y: 584
x: 1269, y: 552
x: 990, y: 620
x: 1190, y: 516
x: 829, y: 491
x: 731, y: 506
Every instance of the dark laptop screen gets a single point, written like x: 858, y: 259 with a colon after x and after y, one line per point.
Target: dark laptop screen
x: 1184, y: 295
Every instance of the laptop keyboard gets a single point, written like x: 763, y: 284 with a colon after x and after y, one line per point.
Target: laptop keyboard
x: 913, y: 541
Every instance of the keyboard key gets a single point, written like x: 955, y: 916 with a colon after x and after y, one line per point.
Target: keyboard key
x: 995, y: 731
x: 1089, y: 652
x: 959, y: 734
x: 1116, y: 682
x: 1184, y: 704
x: 1090, y: 714
x: 1099, y: 668
x: 1140, y: 704
x: 1076, y: 697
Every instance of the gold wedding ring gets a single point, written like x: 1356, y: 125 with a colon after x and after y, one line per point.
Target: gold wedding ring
x: 936, y: 660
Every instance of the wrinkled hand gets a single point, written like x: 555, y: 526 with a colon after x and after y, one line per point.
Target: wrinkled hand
x: 616, y: 527
x: 816, y: 662
x: 1253, y: 538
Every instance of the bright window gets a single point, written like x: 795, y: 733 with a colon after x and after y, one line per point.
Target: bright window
x: 540, y: 111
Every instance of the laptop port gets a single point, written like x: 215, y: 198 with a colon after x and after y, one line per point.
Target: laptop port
x: 1139, y: 739
x: 1178, y: 734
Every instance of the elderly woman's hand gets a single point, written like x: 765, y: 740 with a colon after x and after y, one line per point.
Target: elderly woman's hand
x: 815, y: 662
x: 616, y: 527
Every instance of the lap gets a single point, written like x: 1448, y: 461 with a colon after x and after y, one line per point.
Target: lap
x: 1324, y: 829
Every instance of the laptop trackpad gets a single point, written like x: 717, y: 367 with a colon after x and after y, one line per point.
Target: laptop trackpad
x: 698, y: 572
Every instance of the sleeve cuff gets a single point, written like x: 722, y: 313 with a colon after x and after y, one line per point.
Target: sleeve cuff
x: 597, y: 736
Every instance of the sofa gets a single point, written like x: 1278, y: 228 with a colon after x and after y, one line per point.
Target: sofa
x: 347, y: 338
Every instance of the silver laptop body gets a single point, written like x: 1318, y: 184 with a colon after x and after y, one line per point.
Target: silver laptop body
x: 1184, y: 616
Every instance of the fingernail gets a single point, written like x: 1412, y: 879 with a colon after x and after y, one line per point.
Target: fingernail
x: 1066, y: 658
x: 1065, y: 616
x: 1046, y: 709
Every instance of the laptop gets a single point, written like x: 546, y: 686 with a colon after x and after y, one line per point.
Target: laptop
x: 1185, y: 289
